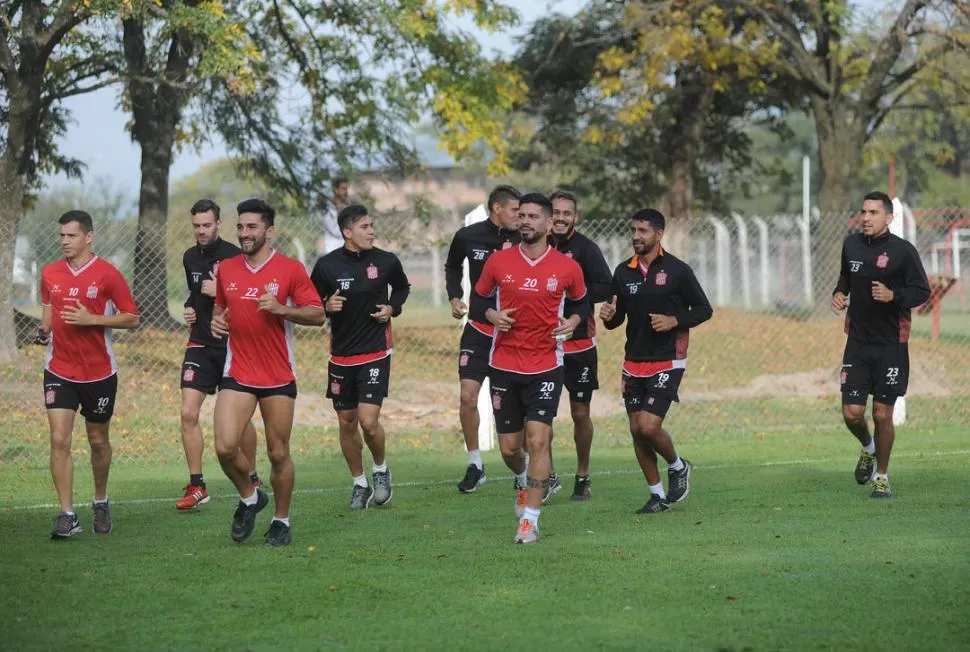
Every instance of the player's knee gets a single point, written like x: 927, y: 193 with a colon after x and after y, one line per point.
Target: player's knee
x: 225, y: 449
x: 190, y: 416
x: 538, y: 442
x: 61, y: 442
x: 854, y: 415
x: 651, y: 429
x: 579, y: 412
x: 468, y: 400
x: 370, y: 426
x: 509, y: 447
x: 347, y: 419
x: 278, y: 453
x: 882, y: 414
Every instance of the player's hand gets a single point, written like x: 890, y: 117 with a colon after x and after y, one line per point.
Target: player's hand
x: 881, y: 293
x: 336, y: 302
x: 458, y: 308
x: 501, y: 319
x: 269, y: 303
x: 77, y: 315
x: 220, y: 324
x: 189, y: 316
x: 383, y: 313
x: 839, y: 302
x: 662, y: 323
x: 565, y: 328
x: 608, y: 310
x: 43, y: 336
x: 209, y: 286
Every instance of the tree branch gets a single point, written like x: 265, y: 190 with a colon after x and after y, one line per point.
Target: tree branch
x: 885, y: 57
x: 79, y: 90
x: 67, y: 17
x: 881, y: 116
x: 7, y: 64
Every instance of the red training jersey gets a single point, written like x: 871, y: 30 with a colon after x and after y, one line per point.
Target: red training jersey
x: 260, y: 344
x: 538, y: 290
x: 83, y: 354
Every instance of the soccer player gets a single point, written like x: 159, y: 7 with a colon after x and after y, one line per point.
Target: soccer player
x: 884, y: 277
x: 660, y: 299
x: 259, y: 296
x: 475, y: 243
x: 580, y: 362
x: 205, y: 355
x: 354, y: 281
x: 84, y: 298
x: 539, y: 300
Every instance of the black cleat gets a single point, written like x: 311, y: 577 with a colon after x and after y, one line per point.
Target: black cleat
x: 678, y: 483
x: 474, y: 478
x: 655, y: 505
x: 65, y: 526
x: 581, y: 489
x: 865, y: 467
x: 278, y: 535
x: 244, y: 519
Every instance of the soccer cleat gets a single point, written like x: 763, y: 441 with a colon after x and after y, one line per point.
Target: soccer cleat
x: 65, y: 526
x: 361, y: 498
x: 474, y: 478
x: 655, y: 505
x: 554, y: 487
x: 193, y: 497
x: 244, y: 519
x: 865, y: 467
x: 102, y: 518
x: 528, y: 532
x: 278, y: 535
x: 382, y: 488
x: 881, y: 488
x: 581, y: 489
x: 521, y: 498
x: 678, y: 483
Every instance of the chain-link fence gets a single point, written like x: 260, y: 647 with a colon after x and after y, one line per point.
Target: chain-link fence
x: 769, y: 359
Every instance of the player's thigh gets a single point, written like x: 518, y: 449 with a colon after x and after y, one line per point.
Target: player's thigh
x: 342, y: 387
x: 540, y: 394
x: 234, y: 409
x: 192, y: 400
x: 373, y: 383
x: 473, y: 355
x: 581, y: 375
x: 277, y: 412
x: 507, y: 405
x: 98, y: 399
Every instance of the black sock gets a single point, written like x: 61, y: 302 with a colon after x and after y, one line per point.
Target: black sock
x: 196, y: 480
x: 254, y: 477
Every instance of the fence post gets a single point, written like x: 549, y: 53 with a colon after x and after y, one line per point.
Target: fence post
x: 486, y: 425
x: 436, y: 274
x: 763, y: 254
x: 955, y: 253
x: 805, y: 225
x: 745, y: 260
x: 722, y: 266
x: 898, y: 227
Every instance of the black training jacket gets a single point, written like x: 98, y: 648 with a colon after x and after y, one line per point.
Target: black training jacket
x: 596, y: 274
x: 475, y: 242
x: 199, y: 262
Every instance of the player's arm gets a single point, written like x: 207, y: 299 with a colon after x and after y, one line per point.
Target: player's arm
x: 307, y: 309
x: 598, y: 277
x: 697, y: 307
x: 613, y: 313
x: 454, y: 271
x: 485, y: 288
x: 400, y: 287
x: 915, y: 290
x: 577, y: 305
x: 119, y: 294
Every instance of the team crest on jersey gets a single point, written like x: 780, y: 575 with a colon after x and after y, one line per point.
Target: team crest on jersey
x: 188, y: 375
x: 92, y: 292
x: 335, y: 388
x: 371, y: 272
x: 463, y: 360
x: 273, y: 287
x: 552, y: 284
x: 661, y: 278
x: 506, y: 245
x: 882, y: 261
x: 50, y: 396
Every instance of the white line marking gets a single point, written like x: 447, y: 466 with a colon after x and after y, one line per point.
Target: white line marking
x: 505, y: 478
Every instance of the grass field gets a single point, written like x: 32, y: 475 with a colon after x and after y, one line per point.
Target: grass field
x: 775, y: 548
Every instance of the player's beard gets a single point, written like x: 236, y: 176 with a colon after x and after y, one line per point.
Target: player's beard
x: 253, y: 246
x: 531, y: 239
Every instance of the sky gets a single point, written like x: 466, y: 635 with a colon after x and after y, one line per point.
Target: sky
x: 98, y: 136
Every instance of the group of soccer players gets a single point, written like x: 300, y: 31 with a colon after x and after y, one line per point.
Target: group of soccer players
x: 531, y: 331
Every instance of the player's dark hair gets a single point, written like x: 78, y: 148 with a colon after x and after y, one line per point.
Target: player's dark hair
x: 350, y: 215
x: 206, y: 206
x: 654, y: 217
x: 887, y: 203
x: 83, y: 218
x: 565, y: 194
x: 338, y: 181
x: 537, y: 198
x: 501, y: 195
x: 260, y: 207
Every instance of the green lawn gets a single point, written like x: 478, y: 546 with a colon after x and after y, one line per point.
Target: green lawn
x: 775, y: 548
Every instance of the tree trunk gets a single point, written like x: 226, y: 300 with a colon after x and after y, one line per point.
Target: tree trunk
x: 11, y: 210
x: 840, y: 142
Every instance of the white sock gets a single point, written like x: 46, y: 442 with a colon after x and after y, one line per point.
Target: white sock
x: 523, y: 478
x: 676, y: 465
x: 475, y: 457
x: 382, y: 468
x: 531, y: 514
x: 285, y: 521
x: 871, y: 447
x: 70, y: 513
x: 252, y: 500
x: 658, y: 490
x: 878, y: 476
x: 103, y: 501
x: 360, y: 480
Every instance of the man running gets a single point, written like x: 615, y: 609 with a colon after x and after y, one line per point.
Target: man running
x: 84, y: 298
x: 539, y: 300
x: 475, y: 243
x: 259, y: 296
x: 354, y: 281
x: 884, y: 276
x: 205, y: 355
x: 581, y: 361
x: 660, y: 299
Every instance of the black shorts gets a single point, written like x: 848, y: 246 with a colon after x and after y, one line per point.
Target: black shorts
x: 652, y: 394
x: 878, y: 369
x: 581, y: 375
x: 517, y: 398
x: 363, y: 383
x: 473, y: 354
x: 202, y: 368
x: 289, y: 389
x: 97, y: 399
